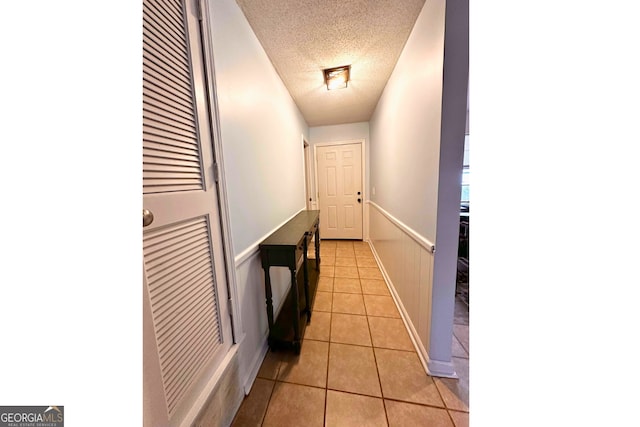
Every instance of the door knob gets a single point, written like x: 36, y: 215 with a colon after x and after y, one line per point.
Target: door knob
x: 147, y: 217
x: 359, y: 200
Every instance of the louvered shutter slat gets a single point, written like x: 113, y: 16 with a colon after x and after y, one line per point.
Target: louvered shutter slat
x: 180, y: 332
x: 185, y: 360
x: 171, y: 44
x: 180, y: 388
x: 159, y: 143
x: 157, y: 96
x: 172, y: 25
x: 166, y: 168
x: 192, y: 257
x: 165, y: 112
x: 170, y: 8
x: 170, y: 124
x: 153, y: 161
x: 190, y: 357
x: 161, y: 188
x: 171, y: 67
x: 172, y: 131
x: 167, y: 294
x: 165, y: 237
x: 189, y: 320
x: 162, y: 104
x: 183, y: 302
x: 168, y: 140
x: 170, y: 295
x: 185, y: 176
x: 167, y: 82
x: 166, y: 93
x: 187, y: 254
x: 176, y: 184
x: 164, y: 127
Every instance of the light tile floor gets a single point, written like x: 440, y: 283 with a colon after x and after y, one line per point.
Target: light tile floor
x: 357, y: 366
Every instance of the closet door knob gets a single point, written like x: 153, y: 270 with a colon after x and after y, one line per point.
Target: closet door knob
x: 147, y: 217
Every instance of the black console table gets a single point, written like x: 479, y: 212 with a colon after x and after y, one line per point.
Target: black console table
x: 288, y: 247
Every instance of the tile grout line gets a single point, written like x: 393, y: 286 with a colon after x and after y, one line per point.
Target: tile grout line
x: 435, y: 384
x: 414, y: 351
x: 326, y: 383
x: 426, y: 405
x: 372, y: 349
x: 301, y: 385
x: 444, y: 406
x: 465, y: 350
x: 273, y: 389
x: 269, y: 401
x: 449, y: 411
x: 375, y: 360
x: 327, y: 388
x: 449, y: 414
x: 460, y: 341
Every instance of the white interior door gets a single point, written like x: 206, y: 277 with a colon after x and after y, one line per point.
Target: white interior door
x: 340, y: 191
x: 186, y: 322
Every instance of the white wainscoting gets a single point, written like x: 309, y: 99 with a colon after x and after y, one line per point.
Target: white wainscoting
x: 406, y: 261
x: 253, y: 306
x: 250, y: 277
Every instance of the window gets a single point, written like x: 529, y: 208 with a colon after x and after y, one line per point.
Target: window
x: 464, y: 195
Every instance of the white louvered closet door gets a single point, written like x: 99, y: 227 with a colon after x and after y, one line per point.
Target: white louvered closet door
x: 187, y: 327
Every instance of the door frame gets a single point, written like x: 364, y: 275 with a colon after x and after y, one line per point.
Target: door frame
x: 308, y: 185
x: 363, y: 163
x: 220, y: 181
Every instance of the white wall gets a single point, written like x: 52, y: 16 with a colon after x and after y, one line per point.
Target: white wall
x: 416, y: 159
x: 261, y: 130
x: 342, y: 132
x: 405, y: 127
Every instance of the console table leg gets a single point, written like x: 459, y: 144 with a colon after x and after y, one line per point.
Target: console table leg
x: 269, y: 298
x: 305, y: 269
x: 317, y: 245
x: 296, y: 311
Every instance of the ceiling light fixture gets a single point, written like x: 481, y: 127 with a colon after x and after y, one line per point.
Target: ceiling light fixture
x: 337, y: 78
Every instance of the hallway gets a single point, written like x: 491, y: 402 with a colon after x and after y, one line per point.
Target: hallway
x: 358, y: 365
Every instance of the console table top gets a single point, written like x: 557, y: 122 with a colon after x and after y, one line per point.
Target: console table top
x: 293, y: 231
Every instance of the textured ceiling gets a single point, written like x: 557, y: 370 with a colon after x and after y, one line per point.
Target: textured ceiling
x: 303, y: 37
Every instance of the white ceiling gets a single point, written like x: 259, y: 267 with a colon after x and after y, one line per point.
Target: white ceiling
x: 303, y: 37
